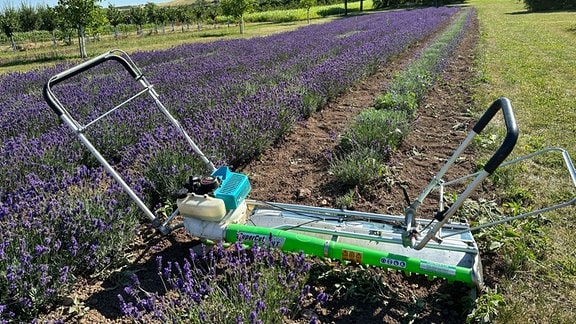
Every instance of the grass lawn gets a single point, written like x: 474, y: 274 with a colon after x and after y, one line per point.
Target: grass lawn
x: 529, y: 58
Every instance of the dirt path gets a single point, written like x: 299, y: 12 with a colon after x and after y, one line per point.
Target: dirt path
x: 296, y: 171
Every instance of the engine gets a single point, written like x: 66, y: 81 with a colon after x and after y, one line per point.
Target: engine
x: 212, y: 197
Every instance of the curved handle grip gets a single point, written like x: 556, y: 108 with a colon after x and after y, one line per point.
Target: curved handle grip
x: 511, y: 131
x: 111, y: 55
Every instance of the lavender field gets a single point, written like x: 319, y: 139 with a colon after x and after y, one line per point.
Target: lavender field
x: 64, y: 218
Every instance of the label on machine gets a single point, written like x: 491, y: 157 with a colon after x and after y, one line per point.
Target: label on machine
x: 352, y: 256
x: 274, y: 241
x: 393, y: 262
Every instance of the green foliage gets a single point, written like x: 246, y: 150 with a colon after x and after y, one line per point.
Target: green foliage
x: 79, y: 15
x: 487, y: 307
x: 346, y: 201
x: 237, y: 8
x: 381, y: 130
x: 307, y: 3
x: 397, y: 100
x: 366, y: 285
x: 29, y: 18
x: 360, y: 167
x: 543, y: 5
x: 10, y: 24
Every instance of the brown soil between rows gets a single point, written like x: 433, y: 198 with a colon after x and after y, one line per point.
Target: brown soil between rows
x: 296, y: 171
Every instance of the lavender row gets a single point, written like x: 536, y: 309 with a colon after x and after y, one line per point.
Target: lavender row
x: 64, y: 215
x: 223, y: 285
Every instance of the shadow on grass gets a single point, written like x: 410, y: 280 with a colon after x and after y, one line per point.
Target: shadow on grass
x: 524, y: 12
x: 6, y: 62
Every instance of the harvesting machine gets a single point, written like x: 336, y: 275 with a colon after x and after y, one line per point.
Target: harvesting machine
x: 216, y: 206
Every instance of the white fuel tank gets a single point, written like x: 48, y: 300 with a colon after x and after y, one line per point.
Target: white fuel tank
x: 202, y: 207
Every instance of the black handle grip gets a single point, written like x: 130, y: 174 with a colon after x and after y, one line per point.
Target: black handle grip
x: 511, y: 131
x: 111, y: 55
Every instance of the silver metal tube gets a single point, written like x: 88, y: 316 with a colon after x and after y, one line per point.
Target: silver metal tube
x: 438, y: 177
x: 432, y: 233
x: 564, y: 153
x: 325, y: 213
x: 109, y: 168
x: 176, y: 124
x: 509, y: 219
x: 114, y: 109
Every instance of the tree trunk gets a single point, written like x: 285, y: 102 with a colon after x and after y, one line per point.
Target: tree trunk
x: 54, y: 38
x: 82, y: 42
x: 12, y: 42
x: 242, y: 24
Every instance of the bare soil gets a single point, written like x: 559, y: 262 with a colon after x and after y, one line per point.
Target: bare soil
x: 296, y: 171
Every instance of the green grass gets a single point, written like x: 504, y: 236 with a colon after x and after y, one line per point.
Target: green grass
x: 300, y: 13
x: 529, y: 58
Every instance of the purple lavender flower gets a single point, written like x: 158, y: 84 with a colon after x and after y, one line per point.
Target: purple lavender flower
x: 322, y: 297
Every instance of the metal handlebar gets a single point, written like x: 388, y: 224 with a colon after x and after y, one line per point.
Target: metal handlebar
x: 123, y: 59
x: 501, y: 154
x: 511, y: 131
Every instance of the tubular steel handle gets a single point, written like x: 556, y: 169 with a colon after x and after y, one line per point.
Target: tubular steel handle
x: 511, y: 131
x: 110, y: 55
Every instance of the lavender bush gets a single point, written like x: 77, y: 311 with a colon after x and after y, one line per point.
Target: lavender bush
x: 63, y: 217
x: 224, y: 285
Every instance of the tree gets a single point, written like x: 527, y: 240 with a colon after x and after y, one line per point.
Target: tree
x: 10, y: 24
x: 184, y: 16
x: 48, y: 21
x: 162, y: 16
x: 78, y: 14
x: 29, y: 18
x: 138, y: 18
x: 152, y: 15
x: 198, y: 11
x: 115, y: 17
x: 307, y: 4
x: 173, y: 15
x: 237, y: 9
x: 213, y: 11
x: 97, y: 23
